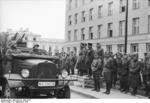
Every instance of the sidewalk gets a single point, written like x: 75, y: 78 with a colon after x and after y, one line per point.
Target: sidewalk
x: 100, y: 95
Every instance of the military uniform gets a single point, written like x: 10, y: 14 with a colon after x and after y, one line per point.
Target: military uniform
x: 107, y: 72
x: 89, y: 58
x: 119, y: 67
x: 134, y: 73
x: 124, y: 74
x: 72, y: 62
x: 96, y: 67
x: 80, y: 64
x: 147, y: 70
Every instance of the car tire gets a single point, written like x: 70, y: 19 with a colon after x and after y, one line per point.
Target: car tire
x: 9, y: 92
x: 64, y: 94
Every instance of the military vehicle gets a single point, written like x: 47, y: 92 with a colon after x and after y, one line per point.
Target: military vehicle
x: 28, y: 75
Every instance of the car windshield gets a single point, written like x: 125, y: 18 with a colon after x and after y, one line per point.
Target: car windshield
x: 37, y: 61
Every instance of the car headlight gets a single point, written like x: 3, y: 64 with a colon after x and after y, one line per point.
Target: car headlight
x: 25, y: 73
x: 64, y: 74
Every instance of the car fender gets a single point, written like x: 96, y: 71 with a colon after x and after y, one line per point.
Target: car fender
x: 12, y: 83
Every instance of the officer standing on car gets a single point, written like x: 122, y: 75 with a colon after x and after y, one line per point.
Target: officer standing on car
x: 134, y: 73
x: 89, y: 59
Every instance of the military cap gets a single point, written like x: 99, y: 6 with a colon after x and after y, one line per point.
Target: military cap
x: 98, y: 45
x: 36, y: 45
x: 81, y: 44
x: 90, y: 44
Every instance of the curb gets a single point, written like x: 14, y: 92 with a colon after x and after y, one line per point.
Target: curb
x: 87, y: 95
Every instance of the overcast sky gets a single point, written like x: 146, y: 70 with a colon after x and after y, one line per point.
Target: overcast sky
x: 45, y: 17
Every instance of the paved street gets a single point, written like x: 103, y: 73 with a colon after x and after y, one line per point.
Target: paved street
x: 75, y: 95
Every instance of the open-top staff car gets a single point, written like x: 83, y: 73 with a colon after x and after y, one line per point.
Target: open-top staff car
x: 27, y: 75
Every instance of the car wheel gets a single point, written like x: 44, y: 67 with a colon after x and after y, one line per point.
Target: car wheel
x: 64, y: 94
x: 8, y: 92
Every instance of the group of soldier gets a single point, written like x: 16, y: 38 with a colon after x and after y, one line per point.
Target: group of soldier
x: 128, y: 69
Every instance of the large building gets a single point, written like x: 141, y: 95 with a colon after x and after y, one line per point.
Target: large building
x: 104, y: 21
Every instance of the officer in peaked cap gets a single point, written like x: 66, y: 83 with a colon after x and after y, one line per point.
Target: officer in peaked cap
x: 134, y: 73
x: 89, y: 58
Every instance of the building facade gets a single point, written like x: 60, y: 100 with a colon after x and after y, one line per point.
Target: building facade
x: 104, y: 21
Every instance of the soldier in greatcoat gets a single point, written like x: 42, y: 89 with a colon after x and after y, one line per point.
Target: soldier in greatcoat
x: 119, y: 66
x: 89, y: 59
x: 72, y: 62
x: 80, y: 64
x: 96, y: 67
x: 124, y: 74
x: 107, y: 72
x: 147, y: 70
x: 134, y: 73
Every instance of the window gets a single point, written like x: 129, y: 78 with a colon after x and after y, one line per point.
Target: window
x: 135, y: 26
x: 122, y: 6
x: 70, y: 2
x: 91, y: 14
x: 110, y: 30
x: 82, y: 34
x: 83, y: 16
x: 100, y: 11
x: 110, y: 9
x: 136, y: 4
x: 75, y: 35
x: 69, y: 35
x: 122, y: 28
x: 109, y: 48
x: 149, y: 23
x: 121, y: 48
x: 148, y: 47
x: 134, y: 48
x: 76, y: 18
x: 99, y: 31
x: 76, y: 3
x: 69, y: 20
x: 90, y: 32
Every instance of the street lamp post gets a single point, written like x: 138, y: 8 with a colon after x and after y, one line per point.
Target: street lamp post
x: 126, y: 28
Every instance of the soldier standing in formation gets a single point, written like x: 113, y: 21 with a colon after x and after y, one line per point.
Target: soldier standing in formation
x: 124, y: 74
x: 134, y: 73
x: 107, y: 72
x: 89, y: 59
x: 119, y: 66
x: 96, y: 67
x: 147, y: 69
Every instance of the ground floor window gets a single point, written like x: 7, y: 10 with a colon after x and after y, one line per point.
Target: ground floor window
x: 109, y: 48
x: 148, y: 47
x: 121, y: 48
x: 134, y: 48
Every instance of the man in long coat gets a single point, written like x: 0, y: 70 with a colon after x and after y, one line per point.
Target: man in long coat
x: 80, y: 64
x: 134, y: 73
x: 107, y: 72
x: 89, y: 59
x: 124, y: 74
x: 147, y: 69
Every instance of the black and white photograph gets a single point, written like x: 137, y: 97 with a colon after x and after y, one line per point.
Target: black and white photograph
x: 74, y: 49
